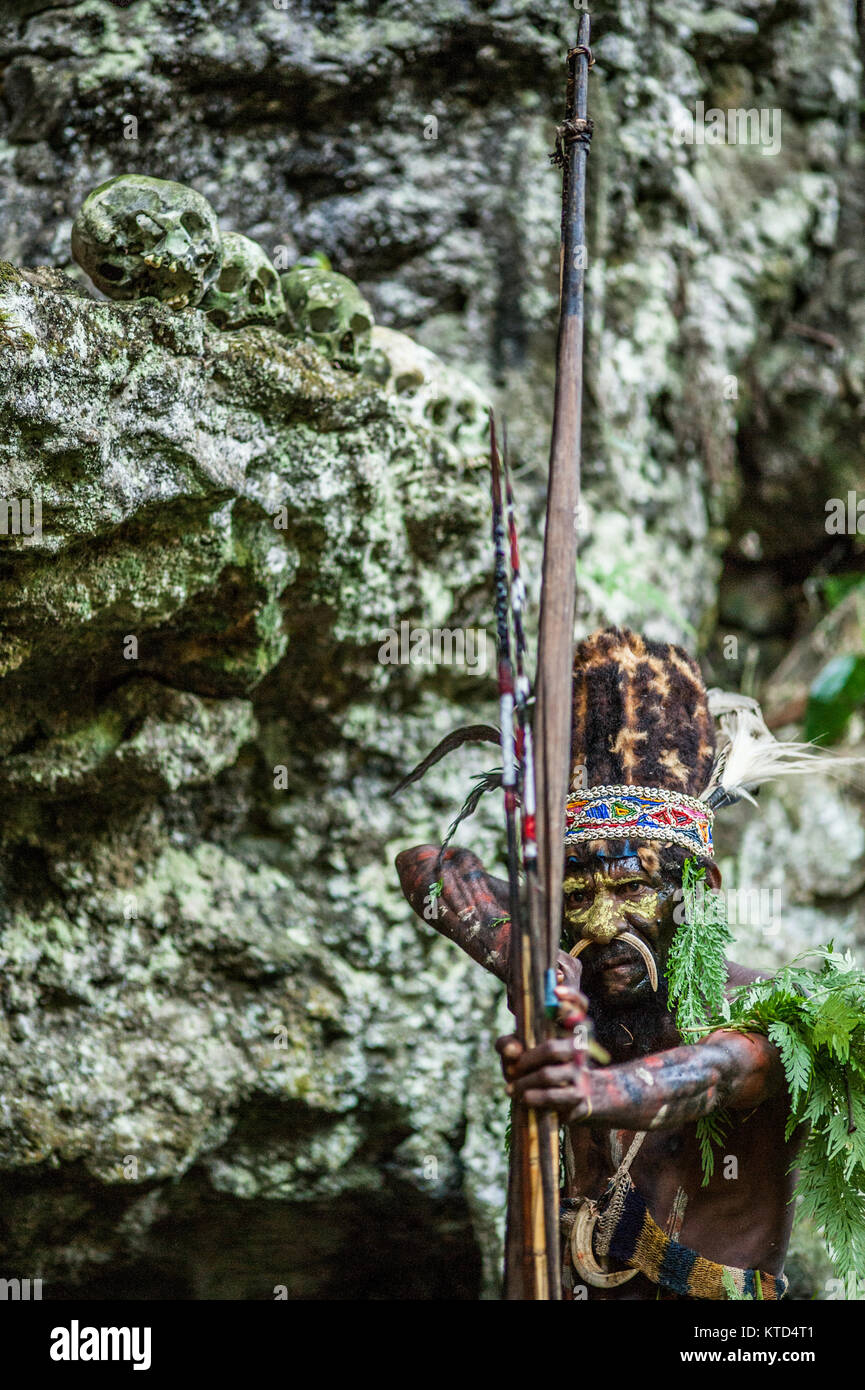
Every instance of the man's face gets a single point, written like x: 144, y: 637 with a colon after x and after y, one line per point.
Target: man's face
x: 605, y: 897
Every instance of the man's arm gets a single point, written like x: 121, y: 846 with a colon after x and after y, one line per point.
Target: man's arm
x: 471, y: 907
x: 661, y: 1091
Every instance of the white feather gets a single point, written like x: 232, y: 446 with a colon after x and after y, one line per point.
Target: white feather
x: 750, y: 755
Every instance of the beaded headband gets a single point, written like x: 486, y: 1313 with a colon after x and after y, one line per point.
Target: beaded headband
x: 640, y: 813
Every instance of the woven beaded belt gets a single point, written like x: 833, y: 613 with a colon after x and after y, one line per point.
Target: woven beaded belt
x: 627, y: 1233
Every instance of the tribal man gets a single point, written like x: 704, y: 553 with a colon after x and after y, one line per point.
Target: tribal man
x: 639, y: 1222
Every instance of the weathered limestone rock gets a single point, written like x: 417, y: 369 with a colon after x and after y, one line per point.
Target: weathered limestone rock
x: 163, y: 897
x: 200, y: 923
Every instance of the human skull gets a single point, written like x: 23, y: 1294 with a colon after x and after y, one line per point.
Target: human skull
x: 247, y: 289
x: 330, y: 310
x: 137, y: 236
x: 435, y: 395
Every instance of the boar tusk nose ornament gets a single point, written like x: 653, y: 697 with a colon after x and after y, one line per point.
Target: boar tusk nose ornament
x: 585, y: 1261
x: 638, y: 946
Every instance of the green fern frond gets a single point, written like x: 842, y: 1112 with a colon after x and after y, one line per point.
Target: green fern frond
x: 816, y: 1019
x: 711, y: 1130
x: 697, y: 961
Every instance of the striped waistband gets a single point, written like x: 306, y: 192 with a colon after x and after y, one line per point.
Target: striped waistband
x: 627, y: 1233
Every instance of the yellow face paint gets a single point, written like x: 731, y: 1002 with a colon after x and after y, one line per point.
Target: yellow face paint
x: 601, y: 915
x: 603, y: 919
x: 646, y: 905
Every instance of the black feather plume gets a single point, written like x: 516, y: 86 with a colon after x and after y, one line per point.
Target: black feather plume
x: 470, y: 733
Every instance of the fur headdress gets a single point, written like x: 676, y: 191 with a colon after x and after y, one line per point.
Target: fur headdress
x: 645, y: 762
x: 642, y: 744
x: 640, y: 715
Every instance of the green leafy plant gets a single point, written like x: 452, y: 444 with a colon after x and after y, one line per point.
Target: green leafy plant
x: 696, y: 978
x: 696, y: 964
x: 711, y: 1131
x: 837, y: 690
x: 734, y: 1294
x: 817, y: 1021
x: 834, y: 588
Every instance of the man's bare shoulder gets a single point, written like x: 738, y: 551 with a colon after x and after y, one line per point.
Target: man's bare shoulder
x: 738, y: 975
